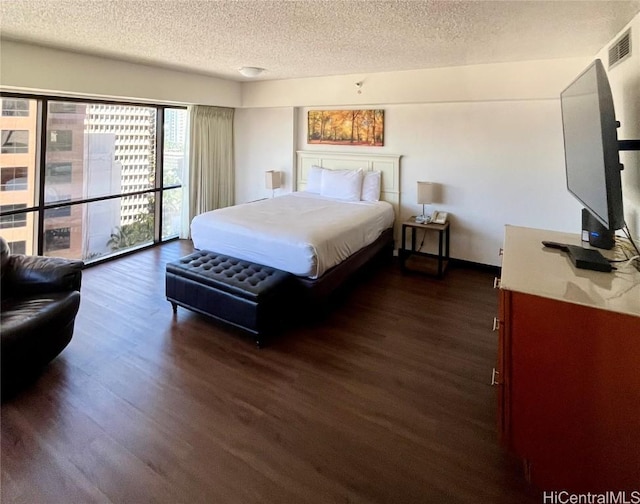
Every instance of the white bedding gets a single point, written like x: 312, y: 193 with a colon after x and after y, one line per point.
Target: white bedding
x: 302, y: 233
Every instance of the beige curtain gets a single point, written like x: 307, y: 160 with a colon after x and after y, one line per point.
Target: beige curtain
x: 211, y: 178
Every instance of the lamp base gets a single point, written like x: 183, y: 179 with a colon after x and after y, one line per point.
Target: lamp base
x: 423, y: 219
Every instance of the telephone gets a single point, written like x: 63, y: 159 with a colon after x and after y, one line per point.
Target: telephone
x: 439, y: 217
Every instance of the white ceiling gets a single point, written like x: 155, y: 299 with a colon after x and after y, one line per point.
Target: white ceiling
x: 308, y: 38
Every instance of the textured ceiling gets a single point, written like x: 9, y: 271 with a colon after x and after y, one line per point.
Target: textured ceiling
x: 308, y: 38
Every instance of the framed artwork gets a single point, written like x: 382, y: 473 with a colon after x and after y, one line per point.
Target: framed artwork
x: 346, y: 127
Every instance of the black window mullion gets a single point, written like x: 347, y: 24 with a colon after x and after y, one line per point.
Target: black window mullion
x: 41, y: 153
x: 159, y: 172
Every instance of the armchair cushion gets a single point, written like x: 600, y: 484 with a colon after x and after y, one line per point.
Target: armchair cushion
x: 35, y: 329
x: 26, y: 275
x: 36, y: 315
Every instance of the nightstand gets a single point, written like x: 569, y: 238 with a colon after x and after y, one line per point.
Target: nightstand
x: 442, y: 259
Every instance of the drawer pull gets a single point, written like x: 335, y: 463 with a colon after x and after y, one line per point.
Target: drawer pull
x: 496, y: 283
x: 496, y: 324
x: 494, y: 375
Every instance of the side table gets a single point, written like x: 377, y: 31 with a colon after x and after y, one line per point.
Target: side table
x: 443, y: 244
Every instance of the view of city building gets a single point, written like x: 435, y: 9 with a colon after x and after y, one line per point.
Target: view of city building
x: 93, y: 151
x: 18, y: 122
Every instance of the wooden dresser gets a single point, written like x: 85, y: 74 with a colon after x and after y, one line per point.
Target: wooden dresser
x: 568, y: 372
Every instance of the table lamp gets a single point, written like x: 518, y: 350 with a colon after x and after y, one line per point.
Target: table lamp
x: 426, y: 191
x: 272, y: 179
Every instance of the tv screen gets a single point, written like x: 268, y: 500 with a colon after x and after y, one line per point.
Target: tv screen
x: 591, y: 146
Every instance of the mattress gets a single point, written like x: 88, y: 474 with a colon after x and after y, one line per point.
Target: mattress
x: 303, y: 233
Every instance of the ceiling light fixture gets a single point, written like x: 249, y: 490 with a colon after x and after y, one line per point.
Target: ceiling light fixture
x: 250, y: 71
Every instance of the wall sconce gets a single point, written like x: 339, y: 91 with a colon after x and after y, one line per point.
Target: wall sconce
x: 272, y: 181
x: 426, y: 194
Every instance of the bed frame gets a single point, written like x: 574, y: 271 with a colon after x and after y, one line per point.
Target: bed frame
x: 389, y: 165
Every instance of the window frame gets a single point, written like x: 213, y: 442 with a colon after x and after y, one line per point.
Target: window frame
x: 5, y: 112
x: 3, y: 185
x: 14, y: 149
x: 53, y: 165
x: 62, y: 145
x: 17, y: 214
x: 51, y: 235
x: 20, y: 243
x: 42, y: 147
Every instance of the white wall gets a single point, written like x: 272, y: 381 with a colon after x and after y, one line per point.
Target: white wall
x: 490, y: 134
x: 496, y: 163
x: 624, y: 79
x: 31, y: 68
x: 529, y: 80
x: 265, y: 140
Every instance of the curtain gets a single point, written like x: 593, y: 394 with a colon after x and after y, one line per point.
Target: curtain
x: 211, y: 177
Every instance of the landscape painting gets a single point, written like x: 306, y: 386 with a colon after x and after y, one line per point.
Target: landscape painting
x: 346, y: 127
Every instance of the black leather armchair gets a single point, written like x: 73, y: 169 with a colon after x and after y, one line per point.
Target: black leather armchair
x: 40, y: 300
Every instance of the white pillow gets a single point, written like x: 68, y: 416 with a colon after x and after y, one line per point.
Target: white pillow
x: 342, y: 184
x: 371, y: 186
x: 314, y: 180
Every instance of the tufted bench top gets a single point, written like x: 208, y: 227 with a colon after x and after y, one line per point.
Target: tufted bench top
x: 228, y: 274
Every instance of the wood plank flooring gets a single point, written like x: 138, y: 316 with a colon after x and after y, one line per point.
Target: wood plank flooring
x: 386, y: 399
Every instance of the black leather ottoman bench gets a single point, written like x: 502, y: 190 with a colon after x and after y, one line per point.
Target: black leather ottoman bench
x: 246, y: 295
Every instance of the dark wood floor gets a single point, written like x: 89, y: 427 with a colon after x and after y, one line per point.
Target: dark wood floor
x: 387, y: 399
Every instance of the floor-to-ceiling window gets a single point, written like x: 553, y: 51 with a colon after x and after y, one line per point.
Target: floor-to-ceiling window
x: 174, y: 157
x: 89, y: 179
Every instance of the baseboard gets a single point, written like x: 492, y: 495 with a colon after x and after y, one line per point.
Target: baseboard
x: 461, y: 263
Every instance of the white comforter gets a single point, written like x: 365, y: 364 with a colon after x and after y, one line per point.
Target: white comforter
x: 302, y: 233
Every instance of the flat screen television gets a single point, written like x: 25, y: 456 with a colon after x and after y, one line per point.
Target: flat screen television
x: 591, y: 146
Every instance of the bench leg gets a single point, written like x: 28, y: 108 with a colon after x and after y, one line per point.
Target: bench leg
x: 174, y: 306
x: 261, y: 340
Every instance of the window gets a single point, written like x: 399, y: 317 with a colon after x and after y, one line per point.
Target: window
x: 15, y: 141
x: 62, y: 108
x: 64, y: 211
x: 60, y: 140
x: 15, y: 220
x: 174, y: 159
x: 13, y: 178
x: 57, y: 239
x: 18, y: 247
x: 15, y: 107
x: 90, y: 156
x: 58, y: 173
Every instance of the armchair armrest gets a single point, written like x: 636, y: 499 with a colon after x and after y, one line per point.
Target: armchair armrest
x: 25, y: 274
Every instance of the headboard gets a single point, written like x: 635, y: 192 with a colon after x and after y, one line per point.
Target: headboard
x: 387, y: 164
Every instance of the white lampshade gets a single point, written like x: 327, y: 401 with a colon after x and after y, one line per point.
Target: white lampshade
x: 426, y: 193
x: 272, y: 179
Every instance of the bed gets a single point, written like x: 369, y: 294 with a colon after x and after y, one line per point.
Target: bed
x: 303, y: 233
x: 318, y: 237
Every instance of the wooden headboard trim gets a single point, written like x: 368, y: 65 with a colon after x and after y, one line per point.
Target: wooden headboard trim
x: 387, y: 164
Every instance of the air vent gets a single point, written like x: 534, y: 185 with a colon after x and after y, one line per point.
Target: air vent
x: 621, y: 49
